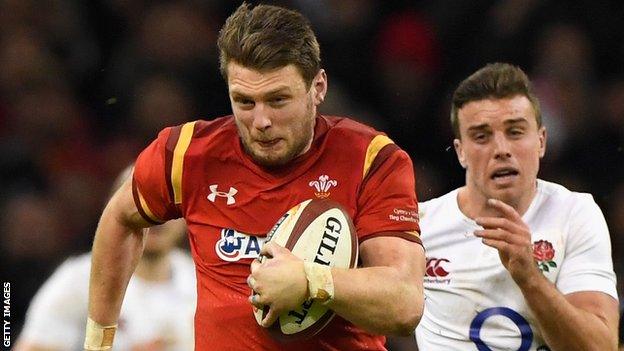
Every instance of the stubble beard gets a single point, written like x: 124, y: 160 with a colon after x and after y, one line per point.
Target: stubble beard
x: 305, y: 128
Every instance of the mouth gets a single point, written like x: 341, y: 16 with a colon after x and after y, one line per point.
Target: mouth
x: 504, y: 174
x: 268, y: 142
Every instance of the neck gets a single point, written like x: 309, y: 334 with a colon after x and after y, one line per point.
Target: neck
x: 154, y: 267
x: 309, y: 145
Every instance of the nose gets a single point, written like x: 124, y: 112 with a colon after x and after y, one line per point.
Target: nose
x: 502, y: 148
x: 261, y: 117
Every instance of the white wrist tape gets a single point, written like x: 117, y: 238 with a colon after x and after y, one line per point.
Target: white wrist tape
x: 99, y: 337
x: 320, y: 281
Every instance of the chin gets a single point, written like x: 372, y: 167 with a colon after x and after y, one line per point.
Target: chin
x: 508, y: 196
x: 274, y: 158
x: 270, y: 160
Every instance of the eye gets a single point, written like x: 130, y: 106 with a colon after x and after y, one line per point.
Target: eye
x: 244, y: 103
x: 516, y: 132
x: 278, y: 100
x: 479, y: 137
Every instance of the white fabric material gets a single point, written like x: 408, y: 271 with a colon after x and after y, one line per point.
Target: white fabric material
x: 466, y: 284
x: 57, y: 314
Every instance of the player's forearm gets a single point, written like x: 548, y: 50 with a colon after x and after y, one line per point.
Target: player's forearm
x: 378, y: 299
x: 564, y: 326
x: 116, y: 251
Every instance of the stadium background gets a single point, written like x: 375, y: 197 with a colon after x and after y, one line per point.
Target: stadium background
x: 84, y: 86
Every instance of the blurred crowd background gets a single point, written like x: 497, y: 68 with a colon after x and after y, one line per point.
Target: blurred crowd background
x: 85, y: 85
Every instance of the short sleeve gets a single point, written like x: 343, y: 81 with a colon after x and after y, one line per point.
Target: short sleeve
x: 57, y: 314
x: 387, y: 202
x: 587, y: 265
x: 151, y: 186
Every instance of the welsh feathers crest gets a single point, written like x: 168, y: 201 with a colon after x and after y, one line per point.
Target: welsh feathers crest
x: 322, y: 186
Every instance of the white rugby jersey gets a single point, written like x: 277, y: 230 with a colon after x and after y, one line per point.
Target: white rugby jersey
x: 471, y: 301
x: 57, y: 314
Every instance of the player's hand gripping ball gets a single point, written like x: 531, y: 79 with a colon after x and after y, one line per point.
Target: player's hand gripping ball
x: 316, y: 231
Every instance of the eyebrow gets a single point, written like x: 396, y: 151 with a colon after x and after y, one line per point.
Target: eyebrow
x: 483, y: 126
x: 478, y: 127
x: 518, y: 120
x: 276, y: 91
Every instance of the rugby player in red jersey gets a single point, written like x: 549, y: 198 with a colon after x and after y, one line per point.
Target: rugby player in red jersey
x: 232, y: 177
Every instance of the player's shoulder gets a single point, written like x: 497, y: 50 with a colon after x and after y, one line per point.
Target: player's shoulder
x: 571, y: 206
x: 347, y: 131
x: 557, y: 195
x: 348, y: 127
x: 196, y: 130
x: 195, y: 138
x: 361, y: 139
x: 205, y: 128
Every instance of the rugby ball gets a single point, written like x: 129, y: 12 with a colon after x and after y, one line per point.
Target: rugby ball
x: 318, y: 231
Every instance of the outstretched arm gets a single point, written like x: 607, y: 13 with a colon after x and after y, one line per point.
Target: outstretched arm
x: 585, y: 320
x: 385, y: 296
x: 117, y: 247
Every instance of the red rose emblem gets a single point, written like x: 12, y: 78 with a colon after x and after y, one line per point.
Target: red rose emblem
x: 543, y: 251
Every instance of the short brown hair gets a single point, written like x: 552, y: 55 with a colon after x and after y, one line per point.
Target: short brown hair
x: 269, y: 37
x: 495, y: 80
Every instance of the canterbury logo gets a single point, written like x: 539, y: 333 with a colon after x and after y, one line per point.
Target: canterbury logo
x: 322, y: 186
x: 435, y: 269
x: 229, y: 195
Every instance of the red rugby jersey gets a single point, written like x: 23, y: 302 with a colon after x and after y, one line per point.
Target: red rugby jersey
x: 200, y: 171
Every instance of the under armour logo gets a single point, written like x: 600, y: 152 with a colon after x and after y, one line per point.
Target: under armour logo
x: 229, y: 195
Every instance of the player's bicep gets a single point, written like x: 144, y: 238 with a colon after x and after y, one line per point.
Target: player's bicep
x: 601, y: 305
x: 587, y: 265
x: 408, y: 257
x: 123, y: 208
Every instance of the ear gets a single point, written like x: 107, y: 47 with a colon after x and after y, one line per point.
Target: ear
x: 459, y: 150
x: 542, y: 140
x: 319, y: 87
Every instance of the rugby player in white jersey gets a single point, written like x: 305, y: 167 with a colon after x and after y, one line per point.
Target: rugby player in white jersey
x: 157, y: 313
x: 513, y: 262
